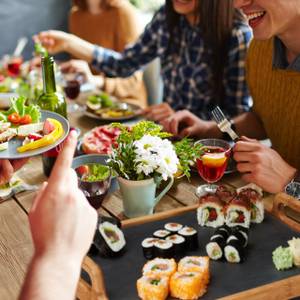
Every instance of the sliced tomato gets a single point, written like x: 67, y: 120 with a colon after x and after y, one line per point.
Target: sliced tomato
x: 212, y: 215
x: 14, y: 118
x: 48, y: 127
x: 25, y: 120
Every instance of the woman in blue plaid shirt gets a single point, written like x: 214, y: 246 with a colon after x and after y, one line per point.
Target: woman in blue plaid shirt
x: 202, y: 46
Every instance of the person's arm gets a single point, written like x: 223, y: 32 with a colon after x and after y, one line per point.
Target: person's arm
x: 62, y: 226
x: 236, y: 93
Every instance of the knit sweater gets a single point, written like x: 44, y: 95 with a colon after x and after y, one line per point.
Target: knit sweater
x: 114, y: 27
x: 276, y: 100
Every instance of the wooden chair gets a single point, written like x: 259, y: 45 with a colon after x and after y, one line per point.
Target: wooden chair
x: 95, y: 291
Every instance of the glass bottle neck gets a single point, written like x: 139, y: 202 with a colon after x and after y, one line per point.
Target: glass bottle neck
x: 49, y: 85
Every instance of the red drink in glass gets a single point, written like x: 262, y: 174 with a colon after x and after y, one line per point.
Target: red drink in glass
x: 212, y: 163
x: 72, y: 89
x: 14, y: 66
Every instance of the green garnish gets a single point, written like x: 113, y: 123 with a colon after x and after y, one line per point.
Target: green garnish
x: 187, y: 151
x: 155, y: 268
x: 103, y: 99
x: 232, y: 256
x: 282, y: 258
x: 39, y: 49
x: 155, y: 281
x: 96, y: 172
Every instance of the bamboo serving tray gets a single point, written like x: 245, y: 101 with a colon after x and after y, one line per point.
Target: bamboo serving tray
x: 253, y: 279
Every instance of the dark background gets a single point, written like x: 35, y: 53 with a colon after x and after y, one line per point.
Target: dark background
x: 26, y: 17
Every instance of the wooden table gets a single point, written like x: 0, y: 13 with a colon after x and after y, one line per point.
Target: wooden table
x: 15, y: 241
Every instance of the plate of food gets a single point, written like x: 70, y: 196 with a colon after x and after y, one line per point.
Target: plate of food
x: 27, y: 131
x: 99, y: 140
x: 107, y: 108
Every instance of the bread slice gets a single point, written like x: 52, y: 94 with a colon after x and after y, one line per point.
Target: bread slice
x: 25, y: 130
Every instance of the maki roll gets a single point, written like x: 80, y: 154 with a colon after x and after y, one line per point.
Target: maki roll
x: 198, y: 264
x: 224, y: 231
x: 109, y: 240
x: 214, y: 248
x: 153, y: 286
x: 225, y: 193
x: 210, y: 211
x: 178, y: 242
x: 234, y: 251
x: 102, y: 219
x: 161, y: 234
x: 238, y: 235
x: 173, y: 227
x: 187, y: 285
x: 191, y: 237
x: 148, y: 247
x: 238, y: 212
x: 160, y: 266
x: 254, y: 195
x: 163, y: 248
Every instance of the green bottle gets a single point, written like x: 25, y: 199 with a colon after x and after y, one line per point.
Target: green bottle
x: 50, y: 100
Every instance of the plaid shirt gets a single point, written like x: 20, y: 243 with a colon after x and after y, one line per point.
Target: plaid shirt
x: 187, y: 79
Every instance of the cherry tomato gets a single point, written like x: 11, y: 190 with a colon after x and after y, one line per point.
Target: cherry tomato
x: 81, y: 170
x: 14, y: 118
x: 25, y: 120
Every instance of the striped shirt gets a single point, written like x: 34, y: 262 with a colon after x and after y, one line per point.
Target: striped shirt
x: 186, y: 74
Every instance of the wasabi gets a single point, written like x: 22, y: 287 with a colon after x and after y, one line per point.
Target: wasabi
x: 282, y: 258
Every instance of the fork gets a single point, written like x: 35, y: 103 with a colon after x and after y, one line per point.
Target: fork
x: 223, y: 123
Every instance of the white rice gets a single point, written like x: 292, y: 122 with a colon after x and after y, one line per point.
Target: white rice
x: 231, y: 250
x: 231, y: 215
x: 214, y: 250
x: 260, y: 211
x: 203, y: 215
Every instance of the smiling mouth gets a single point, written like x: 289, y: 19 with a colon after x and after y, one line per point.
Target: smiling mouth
x: 255, y: 17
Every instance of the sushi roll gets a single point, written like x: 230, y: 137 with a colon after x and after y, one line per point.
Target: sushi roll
x: 163, y: 248
x: 225, y: 193
x: 238, y: 235
x: 173, y: 227
x: 160, y: 266
x: 179, y: 244
x: 109, y: 240
x: 153, y: 287
x: 161, y: 234
x: 198, y: 264
x: 148, y: 247
x: 238, y: 212
x: 102, y: 219
x: 191, y: 237
x: 254, y: 194
x: 234, y: 252
x: 210, y: 211
x: 214, y: 248
x: 187, y: 285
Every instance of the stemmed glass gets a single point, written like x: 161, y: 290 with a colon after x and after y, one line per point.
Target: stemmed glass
x: 71, y: 85
x: 212, y: 164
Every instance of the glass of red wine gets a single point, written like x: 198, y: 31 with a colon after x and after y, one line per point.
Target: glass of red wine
x: 212, y: 164
x: 71, y: 84
x: 14, y: 64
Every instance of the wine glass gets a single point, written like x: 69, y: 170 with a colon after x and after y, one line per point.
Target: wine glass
x: 14, y: 64
x: 71, y: 85
x: 212, y: 164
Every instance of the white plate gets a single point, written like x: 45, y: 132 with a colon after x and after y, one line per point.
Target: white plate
x: 13, y: 144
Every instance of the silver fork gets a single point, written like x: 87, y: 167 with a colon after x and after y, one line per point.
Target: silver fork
x: 223, y: 124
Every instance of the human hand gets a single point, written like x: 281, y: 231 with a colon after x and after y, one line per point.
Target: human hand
x: 9, y: 167
x: 54, y: 41
x: 61, y: 220
x: 262, y: 165
x: 158, y: 112
x: 184, y: 123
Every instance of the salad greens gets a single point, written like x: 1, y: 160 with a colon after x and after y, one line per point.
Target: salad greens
x: 96, y: 172
x: 103, y: 99
x: 18, y: 105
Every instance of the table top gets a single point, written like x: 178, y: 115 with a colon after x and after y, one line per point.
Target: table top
x: 16, y: 247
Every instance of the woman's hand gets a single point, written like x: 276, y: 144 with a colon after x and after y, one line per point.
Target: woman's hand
x: 83, y: 68
x: 62, y: 221
x: 262, y: 165
x: 54, y: 41
x: 158, y: 113
x: 9, y: 167
x: 184, y: 123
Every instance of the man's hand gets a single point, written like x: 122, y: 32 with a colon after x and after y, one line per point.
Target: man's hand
x: 61, y: 220
x: 159, y: 112
x: 184, y: 123
x: 8, y: 167
x: 262, y: 165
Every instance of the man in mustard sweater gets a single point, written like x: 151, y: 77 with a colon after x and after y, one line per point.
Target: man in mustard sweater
x: 273, y: 74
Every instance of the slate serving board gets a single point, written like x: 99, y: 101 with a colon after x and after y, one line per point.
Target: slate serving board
x: 122, y: 273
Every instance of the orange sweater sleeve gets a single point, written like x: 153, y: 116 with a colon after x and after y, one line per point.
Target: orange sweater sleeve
x: 130, y: 89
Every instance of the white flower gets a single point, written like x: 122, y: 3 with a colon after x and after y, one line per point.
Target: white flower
x: 154, y: 154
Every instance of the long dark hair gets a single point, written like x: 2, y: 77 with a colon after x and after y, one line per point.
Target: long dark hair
x: 215, y: 19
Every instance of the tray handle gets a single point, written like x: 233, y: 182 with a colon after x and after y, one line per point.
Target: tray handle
x: 95, y: 291
x: 283, y: 201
